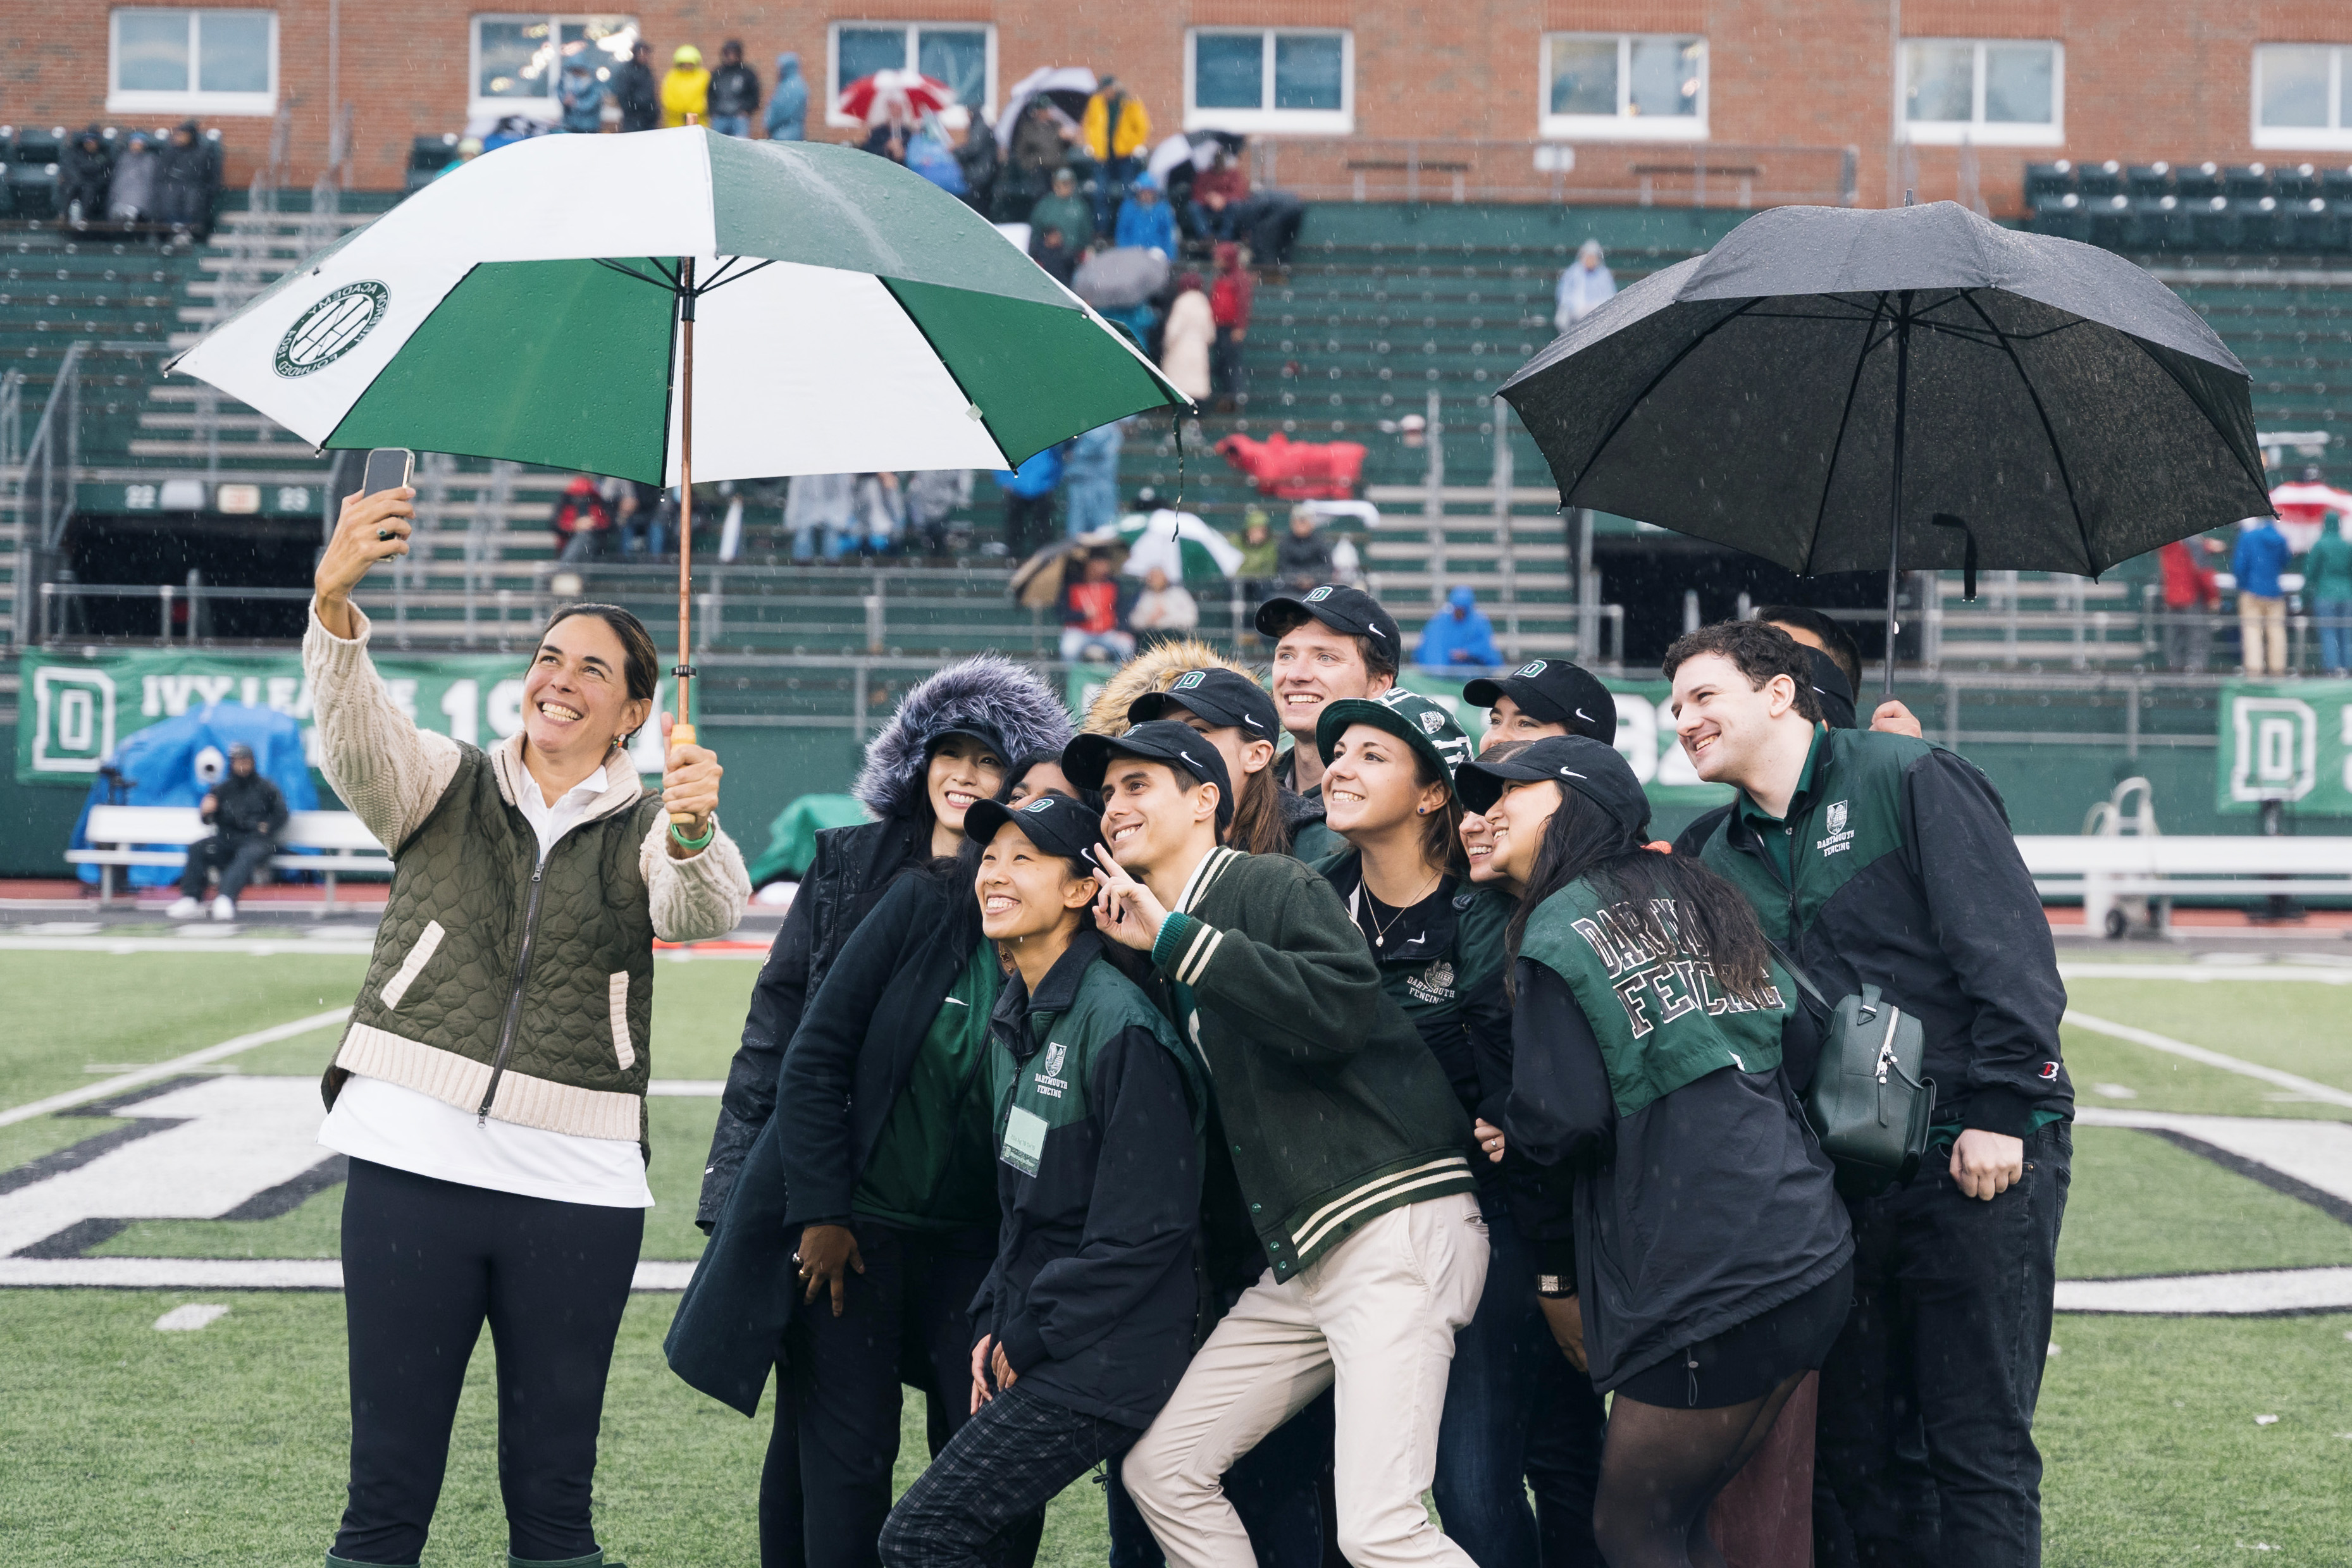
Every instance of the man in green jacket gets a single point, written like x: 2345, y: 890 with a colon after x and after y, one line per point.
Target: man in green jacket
x: 1338, y: 1149
x: 2327, y: 583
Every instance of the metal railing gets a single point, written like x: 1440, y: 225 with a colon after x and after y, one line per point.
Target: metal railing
x: 43, y: 482
x: 1472, y: 168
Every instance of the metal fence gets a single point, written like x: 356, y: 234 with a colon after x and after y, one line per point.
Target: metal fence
x: 1468, y: 169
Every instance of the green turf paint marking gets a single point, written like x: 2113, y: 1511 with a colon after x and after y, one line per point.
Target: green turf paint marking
x: 2323, y: 1093
x: 211, y: 1053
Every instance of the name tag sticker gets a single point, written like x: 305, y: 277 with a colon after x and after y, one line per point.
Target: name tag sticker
x: 1024, y: 1140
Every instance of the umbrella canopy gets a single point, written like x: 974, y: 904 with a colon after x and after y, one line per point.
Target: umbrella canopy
x: 2303, y: 507
x: 1067, y: 88
x: 1120, y: 278
x: 528, y: 305
x: 1834, y: 390
x: 1179, y: 543
x: 870, y: 97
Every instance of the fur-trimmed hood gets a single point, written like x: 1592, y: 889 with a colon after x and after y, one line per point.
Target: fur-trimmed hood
x: 1154, y: 670
x: 986, y: 688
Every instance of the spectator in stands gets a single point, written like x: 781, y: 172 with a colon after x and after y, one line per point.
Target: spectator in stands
x: 581, y: 97
x: 640, y: 518
x: 734, y: 92
x: 1144, y: 219
x: 83, y: 172
x: 581, y: 521
x: 933, y: 497
x: 819, y: 512
x: 2191, y: 597
x: 1039, y: 144
x: 636, y: 90
x: 1163, y: 608
x: 469, y: 149
x: 2327, y: 585
x: 788, y: 110
x: 1187, y: 339
x: 1229, y: 306
x: 1257, y: 546
x: 1090, y: 478
x: 187, y: 179
x: 880, y: 512
x: 247, y: 814
x: 2261, y: 556
x: 981, y: 162
x: 1062, y: 208
x: 1268, y: 223
x: 931, y: 154
x: 1215, y: 189
x: 1303, y: 559
x: 1029, y: 502
x: 1051, y: 249
x: 889, y: 135
x: 1119, y: 133
x: 1094, y: 614
x: 687, y: 88
x: 1582, y: 288
x: 1458, y: 635
x: 130, y: 194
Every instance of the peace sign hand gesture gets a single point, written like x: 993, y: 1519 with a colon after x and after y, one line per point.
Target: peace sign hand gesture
x: 1125, y: 910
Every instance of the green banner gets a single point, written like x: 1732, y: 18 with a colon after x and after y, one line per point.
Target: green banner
x: 1645, y: 729
x: 2285, y: 740
x: 72, y: 713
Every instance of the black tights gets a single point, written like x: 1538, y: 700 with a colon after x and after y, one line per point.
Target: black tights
x: 1660, y: 1472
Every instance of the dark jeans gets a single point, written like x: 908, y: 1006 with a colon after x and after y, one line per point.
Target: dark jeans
x: 425, y: 1263
x: 988, y: 1489
x: 1517, y: 1415
x: 236, y: 856
x: 1276, y: 1489
x: 825, y: 1489
x: 1949, y: 1334
x: 1228, y: 375
x: 1028, y: 523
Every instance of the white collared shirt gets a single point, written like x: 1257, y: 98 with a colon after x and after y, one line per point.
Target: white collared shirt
x: 551, y: 822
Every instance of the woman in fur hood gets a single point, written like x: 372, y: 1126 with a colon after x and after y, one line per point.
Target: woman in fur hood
x: 948, y: 744
x: 1266, y: 813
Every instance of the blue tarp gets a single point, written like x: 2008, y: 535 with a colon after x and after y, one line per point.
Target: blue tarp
x: 175, y: 762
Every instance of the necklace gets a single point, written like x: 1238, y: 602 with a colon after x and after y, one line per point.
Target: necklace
x: 1380, y: 929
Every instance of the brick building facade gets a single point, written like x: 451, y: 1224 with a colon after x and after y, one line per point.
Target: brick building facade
x: 1930, y: 93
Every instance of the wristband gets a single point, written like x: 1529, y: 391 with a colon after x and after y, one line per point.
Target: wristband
x: 709, y: 831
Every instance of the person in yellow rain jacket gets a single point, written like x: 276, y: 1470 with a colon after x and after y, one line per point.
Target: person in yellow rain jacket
x: 1119, y: 133
x: 687, y: 88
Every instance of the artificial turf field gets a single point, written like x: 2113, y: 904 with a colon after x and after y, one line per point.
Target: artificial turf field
x: 120, y: 1443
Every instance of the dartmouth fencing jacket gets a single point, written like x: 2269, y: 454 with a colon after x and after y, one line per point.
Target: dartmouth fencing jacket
x: 1909, y: 878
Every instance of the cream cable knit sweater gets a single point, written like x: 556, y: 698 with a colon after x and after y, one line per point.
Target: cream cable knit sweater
x: 392, y: 774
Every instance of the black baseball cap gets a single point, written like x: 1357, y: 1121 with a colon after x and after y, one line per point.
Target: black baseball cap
x: 1830, y: 687
x: 1350, y: 610
x: 238, y: 748
x: 1578, y: 762
x: 1553, y: 691
x: 1055, y: 824
x: 1087, y: 758
x: 986, y: 733
x: 1222, y: 697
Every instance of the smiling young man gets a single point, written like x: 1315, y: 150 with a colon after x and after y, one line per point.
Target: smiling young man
x: 1331, y: 643
x: 1875, y: 858
x: 1339, y: 1170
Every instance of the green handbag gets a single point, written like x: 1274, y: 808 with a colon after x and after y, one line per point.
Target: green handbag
x: 1869, y: 1102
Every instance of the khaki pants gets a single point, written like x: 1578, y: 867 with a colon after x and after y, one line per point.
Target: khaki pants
x: 1373, y: 1320
x: 2262, y: 633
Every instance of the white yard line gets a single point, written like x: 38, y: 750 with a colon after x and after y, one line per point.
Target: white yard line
x: 2251, y: 1293
x: 2203, y: 974
x: 258, y: 947
x: 235, y: 1274
x: 2326, y: 1093
x: 109, y: 1087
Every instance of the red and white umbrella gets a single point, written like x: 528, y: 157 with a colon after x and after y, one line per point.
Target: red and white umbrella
x: 869, y: 98
x: 2304, y: 507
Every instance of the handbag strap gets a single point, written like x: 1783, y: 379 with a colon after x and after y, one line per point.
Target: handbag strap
x: 1804, y: 982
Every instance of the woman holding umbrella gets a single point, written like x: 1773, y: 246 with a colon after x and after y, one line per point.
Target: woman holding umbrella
x: 491, y: 1089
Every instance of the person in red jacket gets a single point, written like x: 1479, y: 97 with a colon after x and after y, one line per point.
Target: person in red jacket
x: 2192, y: 596
x: 1229, y: 307
x: 581, y: 521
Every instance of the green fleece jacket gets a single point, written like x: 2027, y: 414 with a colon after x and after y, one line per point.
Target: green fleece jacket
x: 1333, y: 1110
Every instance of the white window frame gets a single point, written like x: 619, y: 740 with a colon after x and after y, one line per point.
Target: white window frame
x: 1624, y: 125
x: 549, y: 108
x: 194, y: 100
x: 834, y: 84
x: 1341, y: 121
x: 1976, y: 129
x: 2333, y: 138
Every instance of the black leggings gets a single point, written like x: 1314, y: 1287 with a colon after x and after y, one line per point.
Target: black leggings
x: 425, y: 1262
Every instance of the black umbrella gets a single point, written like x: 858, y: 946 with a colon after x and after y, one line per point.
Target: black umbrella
x: 2016, y: 401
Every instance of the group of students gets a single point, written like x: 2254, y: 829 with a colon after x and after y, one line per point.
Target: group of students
x: 1289, y: 1134
x: 1295, y: 1132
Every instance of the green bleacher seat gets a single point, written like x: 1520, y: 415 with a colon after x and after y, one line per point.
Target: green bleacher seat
x: 2201, y: 184
x: 33, y: 189
x: 2246, y: 182
x: 36, y: 146
x: 2096, y: 181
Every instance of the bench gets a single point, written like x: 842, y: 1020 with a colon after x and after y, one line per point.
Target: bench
x: 2100, y: 870
x: 159, y: 835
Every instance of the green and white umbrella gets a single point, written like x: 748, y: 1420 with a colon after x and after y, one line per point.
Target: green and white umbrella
x: 852, y: 315
x: 1179, y: 543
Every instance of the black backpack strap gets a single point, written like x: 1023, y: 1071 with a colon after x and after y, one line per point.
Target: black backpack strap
x: 1804, y: 981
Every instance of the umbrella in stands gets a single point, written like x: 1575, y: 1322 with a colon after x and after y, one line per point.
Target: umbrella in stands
x: 540, y: 304
x: 921, y: 94
x: 1178, y: 543
x: 1834, y: 390
x: 2304, y: 505
x: 1120, y: 278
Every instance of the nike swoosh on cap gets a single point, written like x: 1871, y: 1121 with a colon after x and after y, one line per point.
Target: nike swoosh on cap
x: 1569, y: 773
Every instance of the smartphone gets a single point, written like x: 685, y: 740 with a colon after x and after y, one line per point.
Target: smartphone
x: 388, y: 468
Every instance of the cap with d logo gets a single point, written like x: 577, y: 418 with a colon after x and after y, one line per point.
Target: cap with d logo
x: 1221, y: 697
x: 1426, y: 726
x: 1553, y: 691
